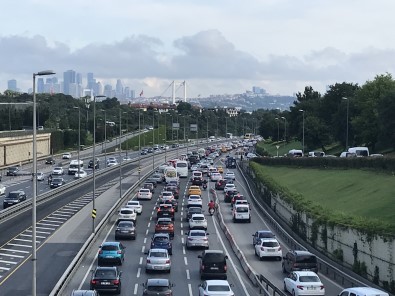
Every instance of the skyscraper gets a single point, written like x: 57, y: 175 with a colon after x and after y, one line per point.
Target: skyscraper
x: 12, y: 85
x: 78, y: 78
x: 119, y: 89
x: 68, y: 78
x: 40, y: 85
x: 90, y: 80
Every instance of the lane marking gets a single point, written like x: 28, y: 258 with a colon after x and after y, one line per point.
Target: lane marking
x: 138, y: 272
x: 141, y: 260
x: 145, y: 240
x: 11, y: 255
x: 190, y: 290
x: 186, y: 261
x: 188, y: 275
x: 136, y: 286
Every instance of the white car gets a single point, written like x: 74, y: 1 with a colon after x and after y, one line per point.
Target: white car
x: 81, y: 174
x: 268, y: 247
x: 300, y: 283
x: 194, y: 201
x: 127, y: 214
x: 126, y: 158
x: 135, y: 205
x: 2, y: 189
x: 66, y: 155
x: 57, y: 171
x: 144, y: 193
x: 230, y: 175
x: 157, y: 260
x: 229, y: 186
x: 198, y: 221
x: 166, y: 195
x: 40, y: 176
x: 112, y: 163
x: 215, y: 177
x: 197, y: 238
x: 251, y: 155
x: 215, y: 287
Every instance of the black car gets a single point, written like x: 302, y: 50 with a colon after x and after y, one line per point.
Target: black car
x: 13, y: 198
x: 152, y: 180
x: 150, y: 150
x: 220, y: 184
x: 50, y: 160
x: 144, y: 152
x: 125, y: 229
x: 90, y: 164
x: 162, y: 241
x: 229, y: 195
x: 230, y: 163
x: 193, y: 210
x: 173, y: 189
x: 296, y: 260
x: 12, y: 171
x: 158, y: 287
x: 213, y: 264
x: 197, y: 181
x: 106, y: 279
x: 172, y: 202
x: 56, y: 182
x: 256, y: 237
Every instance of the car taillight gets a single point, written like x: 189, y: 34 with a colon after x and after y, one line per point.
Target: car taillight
x: 300, y: 287
x: 205, y: 239
x: 225, y: 268
x: 167, y: 261
x: 100, y: 252
x: 119, y: 252
x: 148, y: 261
x: 322, y: 287
x: 116, y: 282
x: 93, y: 282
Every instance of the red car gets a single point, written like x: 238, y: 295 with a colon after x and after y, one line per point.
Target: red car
x: 165, y: 225
x: 165, y: 211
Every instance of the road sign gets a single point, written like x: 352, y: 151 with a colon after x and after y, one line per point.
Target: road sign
x: 94, y: 213
x: 277, y: 146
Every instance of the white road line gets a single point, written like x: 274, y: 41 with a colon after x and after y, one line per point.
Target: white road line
x: 141, y: 260
x: 13, y: 251
x: 190, y: 290
x: 188, y: 275
x: 183, y: 250
x: 24, y: 240
x: 182, y: 240
x: 146, y: 232
x: 136, y: 286
x: 8, y: 262
x: 46, y: 228
x: 4, y: 268
x: 182, y: 232
x: 49, y: 224
x: 186, y: 261
x: 29, y: 235
x: 17, y: 245
x: 59, y: 218
x: 60, y: 215
x: 149, y: 224
x: 138, y: 272
x: 181, y: 225
x: 145, y: 240
x: 11, y: 255
x: 143, y: 249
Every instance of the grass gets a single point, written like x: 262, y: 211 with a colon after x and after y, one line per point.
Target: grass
x: 351, y: 192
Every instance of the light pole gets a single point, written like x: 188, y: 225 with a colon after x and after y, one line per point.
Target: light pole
x: 226, y: 127
x: 278, y: 129
x: 285, y: 130
x: 119, y: 153
x: 127, y: 129
x: 79, y: 138
x: 165, y: 145
x: 301, y: 110
x: 207, y: 129
x: 105, y: 136
x: 139, y: 145
x: 34, y: 198
x: 94, y: 159
x: 153, y: 140
x: 348, y: 104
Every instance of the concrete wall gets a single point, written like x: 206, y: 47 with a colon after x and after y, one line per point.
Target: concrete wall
x: 14, y: 150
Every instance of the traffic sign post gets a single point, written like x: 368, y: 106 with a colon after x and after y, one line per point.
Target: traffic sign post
x: 277, y: 146
x: 93, y: 213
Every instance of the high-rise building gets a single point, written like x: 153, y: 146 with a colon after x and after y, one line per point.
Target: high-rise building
x: 12, y: 85
x: 90, y: 81
x: 108, y: 91
x: 97, y: 88
x: 119, y: 89
x: 40, y: 85
x: 68, y: 77
x: 127, y: 92
x: 78, y: 78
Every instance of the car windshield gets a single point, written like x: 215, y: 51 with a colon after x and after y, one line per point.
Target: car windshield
x: 242, y: 209
x: 265, y: 234
x: 13, y: 195
x: 158, y: 254
x: 109, y: 248
x: 57, y: 180
x: 105, y: 274
x: 196, y: 234
x: 214, y: 257
x: 127, y: 212
x: 157, y: 288
x: 270, y: 244
x: 218, y: 288
x: 198, y: 218
x: 125, y: 224
x: 309, y: 279
x: 306, y: 259
x: 164, y: 222
x: 161, y: 239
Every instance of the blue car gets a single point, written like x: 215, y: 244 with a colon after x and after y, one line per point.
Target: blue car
x: 256, y: 237
x: 111, y: 252
x: 162, y: 241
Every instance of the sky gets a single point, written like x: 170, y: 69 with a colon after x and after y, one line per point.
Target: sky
x: 217, y: 46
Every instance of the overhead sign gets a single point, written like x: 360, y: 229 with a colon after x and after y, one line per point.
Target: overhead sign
x: 176, y: 126
x: 193, y: 127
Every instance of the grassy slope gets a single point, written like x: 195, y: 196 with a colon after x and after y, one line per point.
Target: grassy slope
x: 353, y: 192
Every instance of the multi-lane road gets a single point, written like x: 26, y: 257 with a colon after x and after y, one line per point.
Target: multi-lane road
x: 63, y: 240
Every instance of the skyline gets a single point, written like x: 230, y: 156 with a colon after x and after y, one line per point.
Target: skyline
x: 223, y: 47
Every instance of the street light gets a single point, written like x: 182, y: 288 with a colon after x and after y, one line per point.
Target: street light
x: 127, y: 129
x: 94, y: 159
x: 139, y: 145
x: 79, y: 137
x: 119, y: 153
x: 153, y: 140
x: 34, y: 198
x: 344, y: 98
x: 301, y: 110
x: 285, y: 130
x: 105, y: 136
x: 278, y: 129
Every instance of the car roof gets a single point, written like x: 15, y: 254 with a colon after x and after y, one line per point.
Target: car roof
x: 300, y: 252
x: 214, y: 252
x: 197, y: 231
x: 305, y: 273
x: 158, y: 250
x: 106, y: 268
x: 110, y: 243
x: 217, y: 282
x: 198, y: 215
x: 161, y: 234
x: 164, y: 219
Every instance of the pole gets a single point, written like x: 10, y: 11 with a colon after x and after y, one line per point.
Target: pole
x: 79, y: 138
x: 94, y: 162
x: 139, y: 146
x: 34, y: 206
x: 347, y: 125
x: 119, y: 153
x: 301, y: 110
x: 105, y: 138
x: 165, y: 138
x: 153, y: 140
x: 178, y: 141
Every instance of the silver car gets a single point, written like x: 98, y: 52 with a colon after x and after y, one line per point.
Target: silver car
x: 197, y: 238
x: 157, y: 259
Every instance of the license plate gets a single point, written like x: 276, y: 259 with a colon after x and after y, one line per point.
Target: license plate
x: 270, y: 250
x: 125, y: 231
x: 109, y: 256
x: 214, y: 268
x: 310, y: 288
x: 165, y: 228
x: 105, y: 283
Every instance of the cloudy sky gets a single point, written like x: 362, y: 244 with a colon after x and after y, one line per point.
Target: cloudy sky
x: 217, y: 46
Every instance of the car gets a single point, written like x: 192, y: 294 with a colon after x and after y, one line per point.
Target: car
x: 157, y: 177
x: 198, y: 221
x: 84, y: 293
x: 165, y: 225
x: 197, y: 238
x: 172, y: 202
x: 214, y: 177
x: 158, y: 287
x: 57, y: 171
x: 230, y: 175
x: 150, y: 150
x: 2, y: 189
x: 300, y: 283
x: 213, y: 264
x: 162, y: 241
x: 241, y: 212
x: 173, y: 189
x: 237, y: 197
x: 106, y: 279
x: 166, y: 195
x: 126, y: 158
x: 194, y: 190
x: 150, y: 186
x: 127, y: 214
x: 220, y: 169
x: 165, y: 211
x: 111, y: 163
x: 215, y: 287
x: 362, y: 291
x: 194, y: 200
x: 135, y: 205
x: 50, y: 160
x: 90, y: 164
x: 56, y: 182
x: 268, y: 247
x: 39, y: 176
x: 13, y: 198
x: 256, y: 237
x: 194, y: 167
x: 66, y: 155
x: 125, y: 229
x: 157, y: 260
x: 212, y: 170
x: 220, y: 184
x: 152, y: 180
x: 173, y: 183
x: 193, y: 210
x: 297, y: 260
x: 12, y: 171
x: 111, y: 252
x: 229, y: 186
x: 143, y: 152
x: 230, y: 194
x: 80, y: 174
x: 144, y: 193
x: 251, y: 155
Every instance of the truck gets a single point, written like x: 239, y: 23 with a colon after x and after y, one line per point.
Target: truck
x: 73, y: 166
x: 230, y: 162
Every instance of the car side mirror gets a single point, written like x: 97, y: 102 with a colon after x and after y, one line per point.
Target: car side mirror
x: 232, y: 285
x: 226, y: 257
x: 207, y: 233
x: 120, y: 274
x: 173, y: 285
x: 199, y: 256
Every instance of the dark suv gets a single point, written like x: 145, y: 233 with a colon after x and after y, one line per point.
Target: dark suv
x: 13, y: 198
x: 213, y: 264
x: 12, y: 171
x: 158, y: 287
x: 90, y: 164
x: 299, y: 260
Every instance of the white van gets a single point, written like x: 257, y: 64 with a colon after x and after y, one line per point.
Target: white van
x: 182, y: 168
x: 241, y: 212
x: 359, y: 151
x: 316, y: 154
x: 171, y: 175
x: 73, y: 166
x: 348, y: 154
x: 295, y: 153
x: 362, y: 291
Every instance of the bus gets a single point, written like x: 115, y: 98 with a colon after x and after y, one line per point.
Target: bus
x: 182, y: 168
x: 249, y: 136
